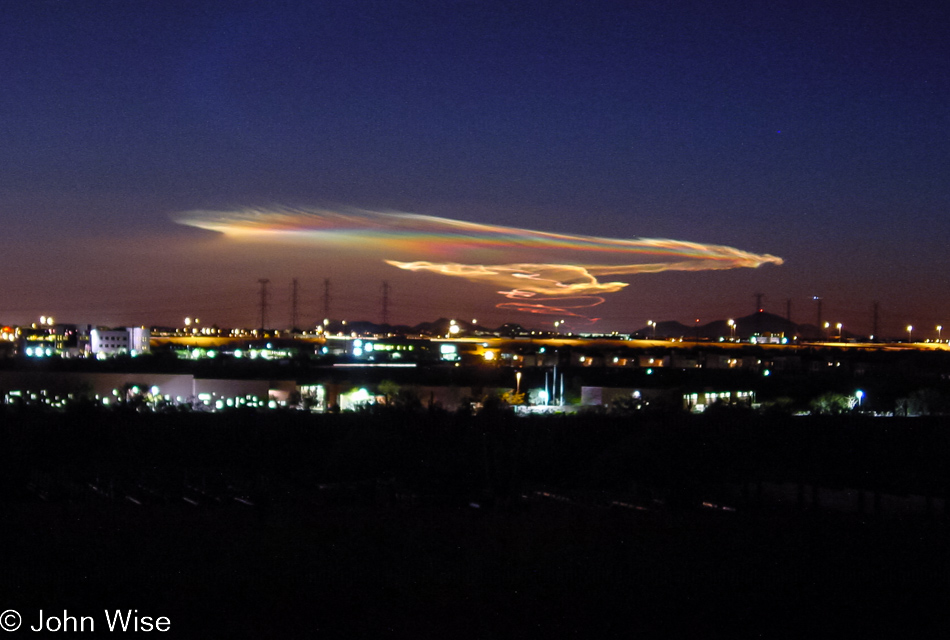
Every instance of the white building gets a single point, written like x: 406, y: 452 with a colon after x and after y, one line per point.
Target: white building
x: 127, y: 340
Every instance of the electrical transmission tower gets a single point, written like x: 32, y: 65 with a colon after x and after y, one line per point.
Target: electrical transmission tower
x: 263, y: 282
x: 385, y: 302
x: 293, y: 304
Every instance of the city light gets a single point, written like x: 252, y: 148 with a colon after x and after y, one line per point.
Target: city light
x: 366, y: 348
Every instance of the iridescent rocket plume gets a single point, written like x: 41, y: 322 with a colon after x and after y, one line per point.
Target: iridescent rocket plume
x: 555, y: 286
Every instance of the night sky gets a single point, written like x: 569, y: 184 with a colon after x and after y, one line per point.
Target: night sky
x: 816, y: 132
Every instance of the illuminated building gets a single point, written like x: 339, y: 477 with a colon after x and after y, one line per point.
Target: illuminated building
x: 61, y: 340
x: 152, y: 390
x: 110, y: 342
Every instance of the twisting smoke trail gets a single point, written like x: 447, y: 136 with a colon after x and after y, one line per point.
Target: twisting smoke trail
x: 559, y: 287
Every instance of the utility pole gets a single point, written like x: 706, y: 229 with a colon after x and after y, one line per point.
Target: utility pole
x: 758, y: 301
x: 818, y: 300
x: 293, y: 304
x: 385, y: 302
x: 263, y: 282
x: 326, y: 297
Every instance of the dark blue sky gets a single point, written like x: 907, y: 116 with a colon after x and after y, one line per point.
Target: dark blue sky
x: 817, y: 132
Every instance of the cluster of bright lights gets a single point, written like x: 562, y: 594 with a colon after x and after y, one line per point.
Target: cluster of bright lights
x: 559, y: 284
x: 356, y: 399
x: 150, y: 397
x: 210, y: 400
x: 37, y: 398
x: 698, y: 403
x: 448, y: 352
x: 269, y: 352
x: 368, y: 348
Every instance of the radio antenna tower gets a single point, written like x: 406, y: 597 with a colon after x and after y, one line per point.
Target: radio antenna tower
x: 874, y: 317
x: 758, y: 301
x: 263, y: 282
x: 385, y: 302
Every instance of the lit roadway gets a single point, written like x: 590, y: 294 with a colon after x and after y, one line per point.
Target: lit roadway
x: 607, y: 343
x: 496, y: 343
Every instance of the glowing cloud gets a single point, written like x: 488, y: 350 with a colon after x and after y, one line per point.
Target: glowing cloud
x: 555, y: 286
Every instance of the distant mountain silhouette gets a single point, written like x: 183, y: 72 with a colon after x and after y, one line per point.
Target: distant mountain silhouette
x: 759, y: 323
x: 763, y: 322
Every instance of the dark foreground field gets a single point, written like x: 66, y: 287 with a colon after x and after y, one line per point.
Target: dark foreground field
x: 465, y: 573
x: 347, y: 530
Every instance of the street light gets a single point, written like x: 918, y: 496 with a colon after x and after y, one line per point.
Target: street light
x: 910, y: 329
x: 651, y: 323
x: 860, y: 396
x: 732, y: 328
x: 939, y: 329
x: 517, y: 382
x: 839, y: 330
